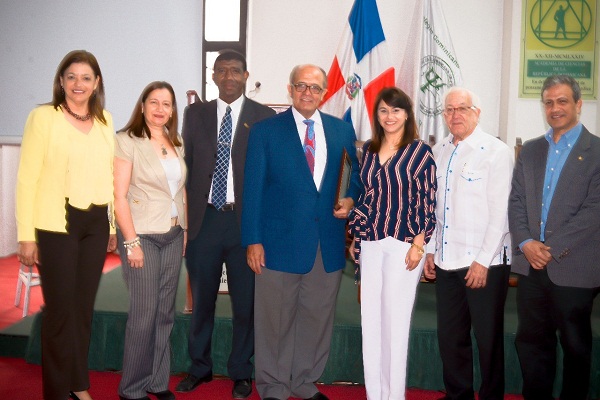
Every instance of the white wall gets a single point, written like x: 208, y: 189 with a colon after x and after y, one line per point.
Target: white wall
x: 135, y: 42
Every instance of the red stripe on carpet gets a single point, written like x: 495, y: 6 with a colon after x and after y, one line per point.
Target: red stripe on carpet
x: 22, y: 381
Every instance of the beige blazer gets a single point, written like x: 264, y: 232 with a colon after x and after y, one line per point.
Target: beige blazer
x: 149, y: 196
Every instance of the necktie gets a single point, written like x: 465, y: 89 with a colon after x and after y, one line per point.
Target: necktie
x: 219, y: 183
x: 310, y: 144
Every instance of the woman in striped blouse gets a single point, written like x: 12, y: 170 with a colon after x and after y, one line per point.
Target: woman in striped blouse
x: 392, y: 222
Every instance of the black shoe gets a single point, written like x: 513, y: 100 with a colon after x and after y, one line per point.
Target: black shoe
x: 270, y: 398
x: 164, y: 395
x: 241, y: 388
x: 318, y: 396
x: 191, y: 382
x: 139, y: 398
x: 73, y: 396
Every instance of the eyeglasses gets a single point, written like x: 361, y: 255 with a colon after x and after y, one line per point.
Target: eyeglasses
x: 460, y: 110
x: 301, y: 87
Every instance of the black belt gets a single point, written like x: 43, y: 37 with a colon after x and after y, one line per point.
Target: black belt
x: 226, y: 207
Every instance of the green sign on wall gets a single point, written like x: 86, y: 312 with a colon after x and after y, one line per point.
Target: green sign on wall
x: 559, y: 38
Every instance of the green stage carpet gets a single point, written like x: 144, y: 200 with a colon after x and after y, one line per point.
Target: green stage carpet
x: 345, y: 362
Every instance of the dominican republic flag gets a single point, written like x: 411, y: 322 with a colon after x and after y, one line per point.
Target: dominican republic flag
x: 359, y: 70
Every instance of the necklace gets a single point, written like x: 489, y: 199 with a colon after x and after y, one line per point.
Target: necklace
x: 76, y: 116
x: 163, y: 149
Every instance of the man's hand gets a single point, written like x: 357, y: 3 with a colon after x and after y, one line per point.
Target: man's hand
x: 429, y: 268
x: 476, y: 276
x: 343, y: 207
x: 255, y: 255
x: 537, y: 253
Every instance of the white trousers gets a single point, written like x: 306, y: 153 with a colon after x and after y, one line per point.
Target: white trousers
x: 388, y: 292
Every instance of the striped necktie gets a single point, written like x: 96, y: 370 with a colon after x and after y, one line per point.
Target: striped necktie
x: 310, y: 144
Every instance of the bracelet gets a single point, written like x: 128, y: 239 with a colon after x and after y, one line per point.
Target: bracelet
x: 420, y: 249
x: 135, y: 242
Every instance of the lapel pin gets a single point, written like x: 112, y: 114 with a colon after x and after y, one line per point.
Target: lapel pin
x: 246, y: 125
x: 580, y: 158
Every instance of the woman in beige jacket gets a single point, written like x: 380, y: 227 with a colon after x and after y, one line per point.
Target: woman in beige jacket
x: 150, y: 210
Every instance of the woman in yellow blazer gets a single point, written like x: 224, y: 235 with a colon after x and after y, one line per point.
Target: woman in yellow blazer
x: 63, y: 210
x: 150, y: 210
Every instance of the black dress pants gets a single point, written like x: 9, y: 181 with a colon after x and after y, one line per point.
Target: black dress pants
x: 543, y: 309
x: 458, y: 309
x: 70, y: 269
x: 218, y: 242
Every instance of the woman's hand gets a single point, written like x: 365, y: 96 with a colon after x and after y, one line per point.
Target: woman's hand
x: 413, y: 257
x: 112, y: 243
x: 184, y: 241
x: 27, y: 253
x: 351, y: 250
x: 135, y: 257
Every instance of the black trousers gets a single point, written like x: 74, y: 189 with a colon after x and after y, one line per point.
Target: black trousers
x: 459, y: 308
x: 70, y: 270
x: 218, y: 242
x: 543, y: 309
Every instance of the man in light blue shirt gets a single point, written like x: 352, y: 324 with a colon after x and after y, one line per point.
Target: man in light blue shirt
x: 554, y: 217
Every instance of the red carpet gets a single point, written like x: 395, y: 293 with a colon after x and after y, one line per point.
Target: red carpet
x: 9, y: 270
x: 22, y: 381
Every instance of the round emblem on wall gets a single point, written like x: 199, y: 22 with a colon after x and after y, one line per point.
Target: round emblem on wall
x: 561, y: 24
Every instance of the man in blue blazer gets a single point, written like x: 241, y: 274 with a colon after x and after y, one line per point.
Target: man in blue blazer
x: 554, y: 219
x: 294, y: 231
x: 214, y: 230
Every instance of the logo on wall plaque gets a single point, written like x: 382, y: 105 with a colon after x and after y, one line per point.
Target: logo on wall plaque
x: 561, y: 24
x: 436, y: 74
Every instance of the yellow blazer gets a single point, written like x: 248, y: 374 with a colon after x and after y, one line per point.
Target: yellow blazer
x: 44, y: 168
x: 149, y: 196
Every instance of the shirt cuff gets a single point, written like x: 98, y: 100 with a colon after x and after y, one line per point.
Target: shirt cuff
x: 523, y: 243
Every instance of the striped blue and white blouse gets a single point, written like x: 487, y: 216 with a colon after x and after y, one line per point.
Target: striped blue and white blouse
x: 399, y: 196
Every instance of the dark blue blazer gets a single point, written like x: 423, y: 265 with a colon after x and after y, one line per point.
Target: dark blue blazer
x: 283, y: 209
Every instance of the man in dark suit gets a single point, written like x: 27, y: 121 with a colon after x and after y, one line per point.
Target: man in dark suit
x: 295, y: 238
x: 215, y: 138
x: 554, y: 217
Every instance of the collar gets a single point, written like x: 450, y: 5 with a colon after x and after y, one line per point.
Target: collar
x: 475, y: 138
x: 236, y: 106
x: 299, y: 117
x: 568, y: 138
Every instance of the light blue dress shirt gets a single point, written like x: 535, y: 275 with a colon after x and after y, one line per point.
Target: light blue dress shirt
x: 557, y: 156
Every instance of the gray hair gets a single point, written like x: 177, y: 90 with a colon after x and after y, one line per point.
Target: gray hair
x: 474, y: 98
x: 298, y: 67
x: 554, y: 80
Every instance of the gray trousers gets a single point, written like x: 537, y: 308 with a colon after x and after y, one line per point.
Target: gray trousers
x: 152, y: 290
x: 293, y: 323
